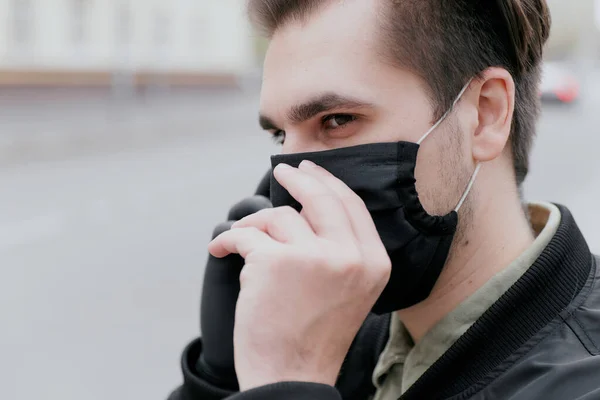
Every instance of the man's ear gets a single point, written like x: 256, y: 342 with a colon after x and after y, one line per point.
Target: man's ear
x: 495, y: 91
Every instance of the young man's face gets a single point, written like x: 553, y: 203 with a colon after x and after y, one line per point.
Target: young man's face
x: 327, y: 86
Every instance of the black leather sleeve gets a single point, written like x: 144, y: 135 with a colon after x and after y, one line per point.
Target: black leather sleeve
x: 354, y: 382
x: 290, y: 391
x: 194, y: 386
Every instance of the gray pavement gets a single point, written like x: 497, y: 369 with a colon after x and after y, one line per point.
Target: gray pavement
x: 101, y: 255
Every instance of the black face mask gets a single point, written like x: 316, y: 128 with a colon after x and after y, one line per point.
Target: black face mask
x: 383, y: 175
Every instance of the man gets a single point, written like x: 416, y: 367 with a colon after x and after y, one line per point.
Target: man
x: 398, y: 260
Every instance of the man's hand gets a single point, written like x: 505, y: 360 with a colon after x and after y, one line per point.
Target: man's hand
x: 309, y: 281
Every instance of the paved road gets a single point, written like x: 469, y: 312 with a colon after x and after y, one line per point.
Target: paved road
x: 101, y: 256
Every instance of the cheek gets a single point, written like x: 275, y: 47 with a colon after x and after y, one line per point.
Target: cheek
x: 428, y: 179
x: 440, y: 174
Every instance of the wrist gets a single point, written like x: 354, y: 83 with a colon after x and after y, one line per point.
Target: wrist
x: 266, y: 375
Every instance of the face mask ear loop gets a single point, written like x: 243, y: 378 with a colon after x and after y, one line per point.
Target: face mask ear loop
x: 434, y: 127
x: 469, y: 187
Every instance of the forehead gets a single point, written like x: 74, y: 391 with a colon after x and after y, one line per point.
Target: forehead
x: 335, y: 50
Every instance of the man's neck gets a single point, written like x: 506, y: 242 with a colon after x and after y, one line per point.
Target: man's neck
x: 498, y: 234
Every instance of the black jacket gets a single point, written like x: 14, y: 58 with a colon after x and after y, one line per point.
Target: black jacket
x: 540, y: 340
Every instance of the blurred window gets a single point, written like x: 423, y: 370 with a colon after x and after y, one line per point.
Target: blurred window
x: 22, y: 24
x: 124, y: 22
x: 78, y: 17
x: 161, y: 28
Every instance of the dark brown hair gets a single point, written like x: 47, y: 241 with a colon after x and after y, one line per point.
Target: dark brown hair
x: 447, y: 42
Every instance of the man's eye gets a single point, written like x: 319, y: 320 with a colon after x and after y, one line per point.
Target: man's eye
x: 278, y: 137
x: 337, y: 120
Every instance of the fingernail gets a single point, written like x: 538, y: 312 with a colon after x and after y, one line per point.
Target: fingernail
x: 283, y: 167
x: 308, y: 163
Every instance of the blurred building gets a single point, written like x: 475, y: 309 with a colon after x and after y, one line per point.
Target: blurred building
x: 573, y: 28
x: 103, y: 42
x: 92, y: 41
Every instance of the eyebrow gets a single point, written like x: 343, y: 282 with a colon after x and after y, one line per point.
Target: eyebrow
x: 320, y: 104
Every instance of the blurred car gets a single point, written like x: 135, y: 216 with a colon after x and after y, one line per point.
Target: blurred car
x: 559, y: 84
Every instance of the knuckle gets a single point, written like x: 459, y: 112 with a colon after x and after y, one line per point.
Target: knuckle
x: 264, y: 213
x: 251, y: 221
x: 386, y: 264
x: 287, y: 211
x: 353, y: 200
x: 278, y: 219
x: 382, y: 269
x: 350, y: 262
x: 322, y: 196
x: 252, y: 231
x: 275, y: 215
x: 353, y: 266
x: 342, y: 261
x: 272, y: 217
x: 381, y: 260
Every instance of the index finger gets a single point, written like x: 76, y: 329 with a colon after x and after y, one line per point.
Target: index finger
x: 360, y: 218
x: 322, y: 208
x: 242, y: 241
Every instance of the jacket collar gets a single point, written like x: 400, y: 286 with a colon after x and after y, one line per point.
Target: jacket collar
x: 534, y: 301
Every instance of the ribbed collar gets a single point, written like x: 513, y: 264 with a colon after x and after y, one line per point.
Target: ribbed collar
x: 538, y: 297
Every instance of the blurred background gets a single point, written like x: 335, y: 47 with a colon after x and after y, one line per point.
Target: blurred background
x: 127, y: 129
